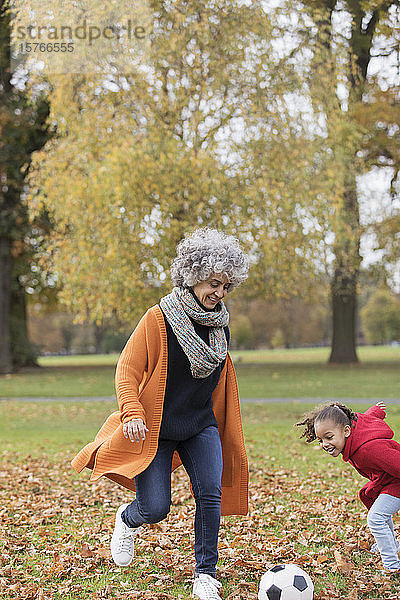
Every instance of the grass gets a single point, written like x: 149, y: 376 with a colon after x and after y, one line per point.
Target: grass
x: 40, y: 428
x: 279, y: 355
x: 271, y: 435
x: 300, y: 373
x: 303, y: 507
x: 310, y: 380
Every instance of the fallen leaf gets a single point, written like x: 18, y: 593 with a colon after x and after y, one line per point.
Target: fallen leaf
x: 342, y: 565
x: 103, y: 552
x: 49, y: 512
x: 63, y: 554
x: 86, y: 552
x: 321, y: 558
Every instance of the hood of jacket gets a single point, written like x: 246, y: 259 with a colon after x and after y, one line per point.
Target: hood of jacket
x: 365, y: 429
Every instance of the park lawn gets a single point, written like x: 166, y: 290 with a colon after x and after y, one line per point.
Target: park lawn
x: 300, y: 373
x: 56, y: 525
x: 278, y: 355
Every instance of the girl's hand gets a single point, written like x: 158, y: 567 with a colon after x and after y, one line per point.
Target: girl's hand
x: 381, y: 405
x: 135, y: 430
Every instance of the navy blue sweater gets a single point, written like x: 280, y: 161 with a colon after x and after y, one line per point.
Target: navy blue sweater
x: 188, y: 400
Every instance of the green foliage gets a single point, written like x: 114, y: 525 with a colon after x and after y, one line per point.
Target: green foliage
x: 114, y: 341
x: 277, y: 339
x: 242, y: 332
x: 381, y: 317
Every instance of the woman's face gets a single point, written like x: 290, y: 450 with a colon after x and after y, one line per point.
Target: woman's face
x: 212, y: 290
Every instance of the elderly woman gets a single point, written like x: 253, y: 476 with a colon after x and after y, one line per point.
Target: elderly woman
x: 179, y: 404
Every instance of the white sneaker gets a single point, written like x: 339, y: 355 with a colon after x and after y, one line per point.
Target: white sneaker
x: 123, y: 540
x: 205, y: 587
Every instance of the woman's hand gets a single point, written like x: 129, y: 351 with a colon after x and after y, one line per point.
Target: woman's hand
x: 381, y: 405
x: 135, y: 430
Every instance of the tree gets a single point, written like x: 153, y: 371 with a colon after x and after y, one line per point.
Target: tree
x: 381, y: 317
x: 213, y: 133
x: 134, y: 169
x: 337, y: 123
x: 295, y: 321
x: 24, y: 129
x: 346, y: 59
x: 242, y: 332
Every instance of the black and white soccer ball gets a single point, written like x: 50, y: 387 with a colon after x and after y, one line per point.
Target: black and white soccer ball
x: 285, y: 582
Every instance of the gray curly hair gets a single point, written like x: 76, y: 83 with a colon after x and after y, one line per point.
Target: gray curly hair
x: 205, y: 252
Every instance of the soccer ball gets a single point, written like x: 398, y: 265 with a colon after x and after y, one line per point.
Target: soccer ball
x: 286, y: 582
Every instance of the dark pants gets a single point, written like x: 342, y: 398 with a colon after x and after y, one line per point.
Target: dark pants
x: 201, y: 455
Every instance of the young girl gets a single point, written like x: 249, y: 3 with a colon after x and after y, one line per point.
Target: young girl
x: 365, y: 441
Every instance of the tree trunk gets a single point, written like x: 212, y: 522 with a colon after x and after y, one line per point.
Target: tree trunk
x: 24, y: 353
x: 99, y: 331
x: 5, y: 302
x: 67, y: 332
x: 344, y: 304
x: 345, y: 280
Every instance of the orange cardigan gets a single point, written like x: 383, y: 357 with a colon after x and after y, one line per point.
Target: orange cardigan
x: 140, y: 383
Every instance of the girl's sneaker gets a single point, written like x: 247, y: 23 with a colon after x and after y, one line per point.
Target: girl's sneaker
x: 205, y: 587
x: 123, y: 540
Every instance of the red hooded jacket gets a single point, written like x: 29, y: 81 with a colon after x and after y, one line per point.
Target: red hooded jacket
x: 374, y: 454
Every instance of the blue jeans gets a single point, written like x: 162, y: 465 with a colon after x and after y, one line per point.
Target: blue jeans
x: 201, y: 455
x: 380, y: 522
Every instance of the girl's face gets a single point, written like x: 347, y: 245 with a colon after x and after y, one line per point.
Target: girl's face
x: 331, y: 436
x: 211, y: 291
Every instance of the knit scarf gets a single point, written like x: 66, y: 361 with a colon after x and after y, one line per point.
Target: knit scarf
x: 178, y: 306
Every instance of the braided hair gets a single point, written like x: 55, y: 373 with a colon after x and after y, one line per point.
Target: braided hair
x: 340, y: 414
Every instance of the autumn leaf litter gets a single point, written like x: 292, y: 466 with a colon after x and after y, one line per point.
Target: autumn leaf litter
x: 56, y: 527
